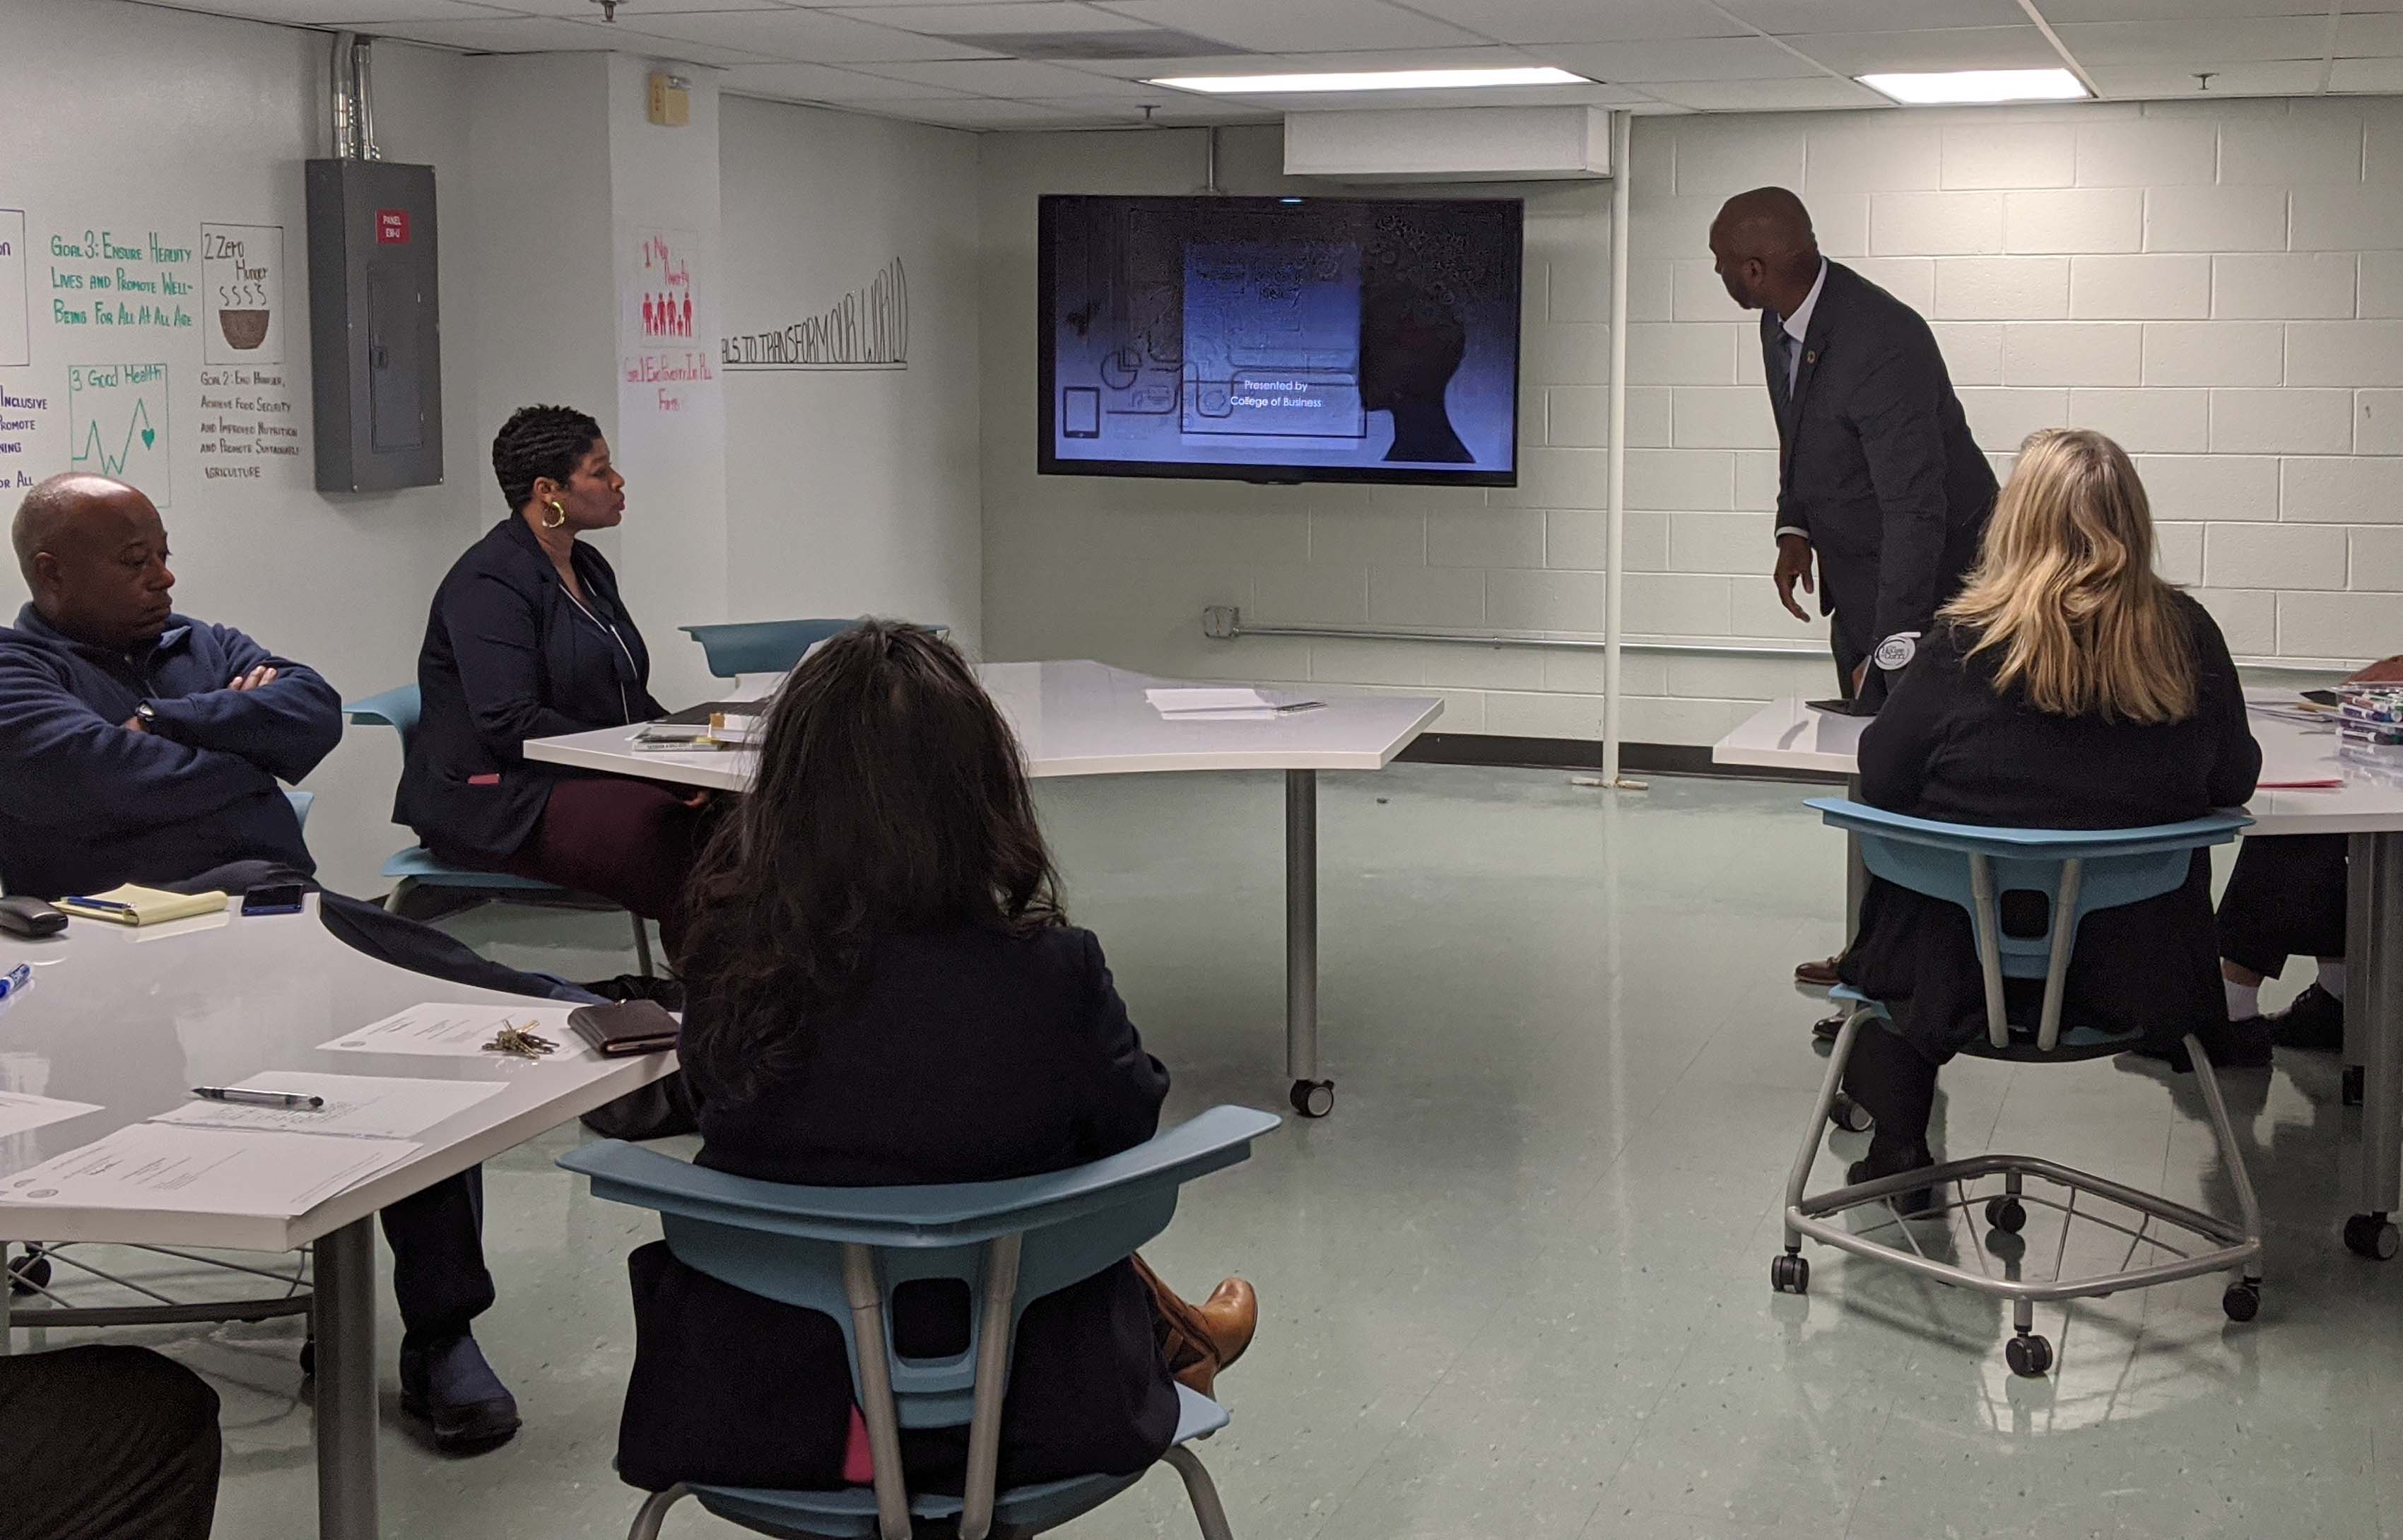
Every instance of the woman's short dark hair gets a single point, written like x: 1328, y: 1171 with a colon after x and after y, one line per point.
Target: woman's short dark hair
x: 538, y: 441
x: 891, y: 799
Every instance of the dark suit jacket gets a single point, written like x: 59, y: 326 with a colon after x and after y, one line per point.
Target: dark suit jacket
x: 510, y: 656
x: 969, y: 1057
x: 90, y: 805
x: 1948, y: 746
x: 1876, y: 465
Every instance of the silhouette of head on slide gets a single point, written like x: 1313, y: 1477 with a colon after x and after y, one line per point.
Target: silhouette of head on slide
x: 1411, y: 341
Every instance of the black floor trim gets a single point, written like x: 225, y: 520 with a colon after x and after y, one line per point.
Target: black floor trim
x: 1576, y: 754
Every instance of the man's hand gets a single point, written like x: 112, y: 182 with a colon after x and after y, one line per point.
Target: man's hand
x: 698, y: 800
x: 1793, y: 566
x: 133, y: 724
x: 257, y: 678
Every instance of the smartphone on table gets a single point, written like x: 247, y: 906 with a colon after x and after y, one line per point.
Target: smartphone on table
x: 273, y: 899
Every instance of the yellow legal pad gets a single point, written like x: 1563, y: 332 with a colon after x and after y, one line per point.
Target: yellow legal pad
x: 133, y: 906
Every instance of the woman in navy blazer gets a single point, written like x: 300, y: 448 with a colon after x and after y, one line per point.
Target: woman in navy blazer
x: 528, y: 638
x: 884, y: 991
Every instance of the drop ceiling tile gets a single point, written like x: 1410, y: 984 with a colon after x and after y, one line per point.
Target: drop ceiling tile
x: 516, y: 35
x: 1705, y: 59
x: 1794, y: 17
x: 1283, y: 26
x: 2374, y: 37
x: 2260, y: 37
x: 1947, y: 49
x: 2059, y: 11
x: 1583, y: 21
x: 2384, y: 76
x: 1513, y: 96
x: 825, y: 83
x: 1217, y: 64
x: 1791, y: 95
x: 812, y: 37
x: 2176, y: 81
x: 344, y: 13
x: 1020, y: 79
x: 1016, y: 17
x: 632, y: 13
x: 975, y: 113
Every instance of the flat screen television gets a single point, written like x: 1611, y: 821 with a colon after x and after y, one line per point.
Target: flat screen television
x: 1280, y: 340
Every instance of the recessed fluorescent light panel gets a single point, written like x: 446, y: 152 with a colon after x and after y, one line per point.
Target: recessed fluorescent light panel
x: 1979, y: 86
x: 1285, y: 85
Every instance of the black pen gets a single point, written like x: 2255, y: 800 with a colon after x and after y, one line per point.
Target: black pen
x: 257, y: 1098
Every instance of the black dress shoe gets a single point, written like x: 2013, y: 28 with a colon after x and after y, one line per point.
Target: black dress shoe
x: 2314, y: 1022
x: 449, y: 1384
x: 1887, y: 1160
x: 1818, y: 973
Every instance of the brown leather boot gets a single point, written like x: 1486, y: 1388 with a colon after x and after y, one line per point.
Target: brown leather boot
x: 1232, y: 1314
x: 1197, y: 1341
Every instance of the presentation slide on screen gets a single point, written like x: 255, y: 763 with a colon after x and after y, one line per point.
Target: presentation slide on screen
x: 1302, y: 336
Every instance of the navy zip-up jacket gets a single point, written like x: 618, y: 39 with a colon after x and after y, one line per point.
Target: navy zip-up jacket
x: 509, y: 654
x: 88, y: 804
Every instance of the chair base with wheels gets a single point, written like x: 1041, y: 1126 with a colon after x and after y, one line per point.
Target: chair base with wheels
x: 844, y: 1251
x: 2077, y: 873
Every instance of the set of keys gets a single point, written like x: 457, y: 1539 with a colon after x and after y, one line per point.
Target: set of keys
x: 522, y: 1041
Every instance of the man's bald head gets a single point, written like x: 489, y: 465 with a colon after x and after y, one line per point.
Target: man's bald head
x: 95, y: 553
x: 1764, y: 249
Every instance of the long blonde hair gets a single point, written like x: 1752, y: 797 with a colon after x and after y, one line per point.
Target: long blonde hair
x: 2066, y: 590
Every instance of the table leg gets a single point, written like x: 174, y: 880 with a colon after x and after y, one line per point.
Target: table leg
x: 2360, y: 860
x: 2377, y: 1032
x: 1311, y: 1097
x: 346, y: 1382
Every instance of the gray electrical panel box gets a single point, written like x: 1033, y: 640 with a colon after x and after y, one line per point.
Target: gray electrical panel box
x: 375, y: 324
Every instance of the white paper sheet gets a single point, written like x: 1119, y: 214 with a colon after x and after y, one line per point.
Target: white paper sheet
x: 358, y: 1106
x: 20, y: 1111
x: 165, y: 1166
x: 461, y: 1032
x: 1207, y: 703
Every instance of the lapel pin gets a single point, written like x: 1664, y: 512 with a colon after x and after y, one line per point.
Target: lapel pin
x: 1811, y: 358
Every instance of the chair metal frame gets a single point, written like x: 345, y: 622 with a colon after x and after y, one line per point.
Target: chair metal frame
x: 416, y: 866
x: 845, y: 1250
x: 2078, y: 872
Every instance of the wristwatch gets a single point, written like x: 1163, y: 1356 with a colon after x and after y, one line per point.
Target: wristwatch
x: 147, y: 714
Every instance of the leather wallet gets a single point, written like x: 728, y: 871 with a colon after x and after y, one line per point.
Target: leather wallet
x: 625, y: 1027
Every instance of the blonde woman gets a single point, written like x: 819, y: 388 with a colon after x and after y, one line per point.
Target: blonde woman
x: 2067, y: 687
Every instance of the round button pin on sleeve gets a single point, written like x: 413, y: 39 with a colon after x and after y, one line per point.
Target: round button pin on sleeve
x: 1895, y: 652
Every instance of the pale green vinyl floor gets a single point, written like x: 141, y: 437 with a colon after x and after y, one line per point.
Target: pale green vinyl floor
x: 1517, y: 1285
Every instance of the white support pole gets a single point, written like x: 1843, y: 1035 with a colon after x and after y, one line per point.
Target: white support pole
x: 1620, y: 137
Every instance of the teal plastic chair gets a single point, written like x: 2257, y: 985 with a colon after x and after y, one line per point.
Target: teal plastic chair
x: 746, y: 649
x: 302, y: 802
x: 2074, y: 872
x: 416, y: 866
x: 842, y: 1251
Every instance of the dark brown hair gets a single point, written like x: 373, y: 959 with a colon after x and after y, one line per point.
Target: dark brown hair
x: 891, y: 798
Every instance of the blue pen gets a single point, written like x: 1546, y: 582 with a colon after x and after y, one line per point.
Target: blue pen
x: 15, y: 979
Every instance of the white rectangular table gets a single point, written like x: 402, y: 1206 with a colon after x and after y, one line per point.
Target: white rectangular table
x: 132, y: 1019
x: 2368, y: 807
x: 1086, y: 718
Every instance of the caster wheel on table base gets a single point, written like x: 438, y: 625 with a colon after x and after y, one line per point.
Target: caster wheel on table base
x: 2029, y: 1356
x: 1849, y: 1114
x: 2243, y: 1300
x: 2373, y: 1235
x: 29, y: 1272
x: 1312, y: 1098
x: 1789, y: 1273
x: 2005, y: 1214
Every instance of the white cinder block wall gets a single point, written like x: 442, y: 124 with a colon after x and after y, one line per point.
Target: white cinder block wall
x: 2219, y: 286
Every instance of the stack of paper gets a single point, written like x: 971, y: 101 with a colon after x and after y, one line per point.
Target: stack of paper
x: 176, y: 1167
x: 1215, y: 703
x: 133, y: 906
x: 461, y: 1032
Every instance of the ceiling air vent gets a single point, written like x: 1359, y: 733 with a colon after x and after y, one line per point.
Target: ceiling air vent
x: 1131, y: 43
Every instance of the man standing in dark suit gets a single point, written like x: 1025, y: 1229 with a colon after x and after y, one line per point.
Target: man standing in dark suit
x: 1878, y: 478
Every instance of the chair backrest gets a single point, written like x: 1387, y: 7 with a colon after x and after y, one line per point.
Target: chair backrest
x: 843, y: 1251
x: 760, y: 646
x: 395, y: 708
x: 302, y: 802
x: 2075, y: 871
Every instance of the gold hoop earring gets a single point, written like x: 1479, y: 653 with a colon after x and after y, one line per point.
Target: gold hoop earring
x: 558, y: 509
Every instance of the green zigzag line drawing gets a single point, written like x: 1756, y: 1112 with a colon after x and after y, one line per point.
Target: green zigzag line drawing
x: 94, y: 448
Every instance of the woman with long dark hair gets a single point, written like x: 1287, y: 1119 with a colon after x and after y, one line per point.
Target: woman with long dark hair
x: 884, y: 992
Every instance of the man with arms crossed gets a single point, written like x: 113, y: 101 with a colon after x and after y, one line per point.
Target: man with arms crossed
x: 1879, y: 480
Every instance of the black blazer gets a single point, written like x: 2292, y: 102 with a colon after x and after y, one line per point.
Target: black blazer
x: 509, y: 654
x: 1876, y: 466
x: 970, y: 1057
x: 1948, y: 746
